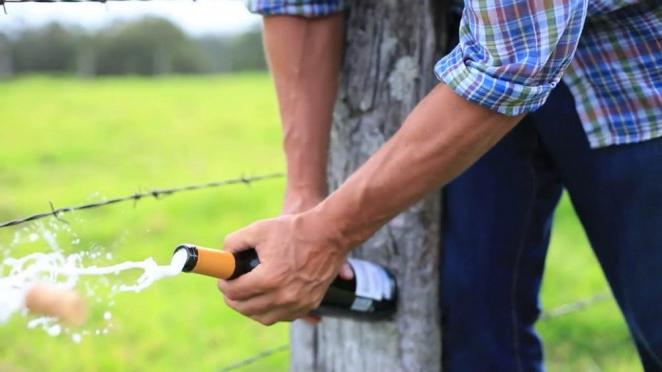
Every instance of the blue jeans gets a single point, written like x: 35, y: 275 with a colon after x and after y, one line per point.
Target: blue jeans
x: 498, y: 217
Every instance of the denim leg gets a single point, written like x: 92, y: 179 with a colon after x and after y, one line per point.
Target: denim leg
x: 496, y: 231
x: 617, y: 192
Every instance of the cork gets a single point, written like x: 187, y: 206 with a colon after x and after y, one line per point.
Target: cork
x: 64, y: 304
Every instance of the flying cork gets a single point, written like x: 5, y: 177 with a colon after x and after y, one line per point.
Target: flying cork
x: 64, y: 304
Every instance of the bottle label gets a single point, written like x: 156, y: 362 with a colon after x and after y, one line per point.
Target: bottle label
x: 372, y: 281
x: 362, y: 304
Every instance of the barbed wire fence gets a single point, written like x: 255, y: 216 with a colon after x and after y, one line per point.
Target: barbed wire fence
x: 575, y: 306
x: 255, y: 358
x: 552, y: 313
x: 157, y: 194
x: 136, y: 197
x: 4, y: 2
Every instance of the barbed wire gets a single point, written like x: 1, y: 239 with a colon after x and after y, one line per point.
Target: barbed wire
x: 155, y: 193
x: 575, y: 306
x: 65, y: 1
x: 3, y: 2
x: 555, y: 312
x: 254, y: 358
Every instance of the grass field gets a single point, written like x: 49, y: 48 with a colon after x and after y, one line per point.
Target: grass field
x: 70, y: 141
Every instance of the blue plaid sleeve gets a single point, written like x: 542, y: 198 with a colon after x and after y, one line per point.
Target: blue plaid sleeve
x: 512, y: 53
x: 305, y: 8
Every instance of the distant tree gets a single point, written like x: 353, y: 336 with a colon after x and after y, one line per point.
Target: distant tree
x: 48, y: 49
x: 242, y: 52
x: 149, y: 46
x: 247, y: 52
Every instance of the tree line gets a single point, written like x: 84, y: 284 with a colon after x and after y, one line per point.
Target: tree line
x: 149, y: 46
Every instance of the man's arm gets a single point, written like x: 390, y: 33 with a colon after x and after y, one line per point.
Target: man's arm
x: 304, y: 59
x: 301, y: 254
x: 444, y: 135
x: 501, y: 66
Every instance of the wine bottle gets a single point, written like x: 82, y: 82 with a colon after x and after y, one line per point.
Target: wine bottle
x: 371, y: 294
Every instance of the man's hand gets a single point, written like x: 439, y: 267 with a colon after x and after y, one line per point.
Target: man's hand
x: 297, y: 201
x: 304, y: 58
x: 301, y: 201
x: 300, y: 255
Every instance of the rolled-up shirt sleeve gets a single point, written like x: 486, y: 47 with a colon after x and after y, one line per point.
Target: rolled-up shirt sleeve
x: 512, y: 53
x: 304, y: 8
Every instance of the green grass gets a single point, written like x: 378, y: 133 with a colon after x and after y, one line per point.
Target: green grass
x: 70, y: 141
x: 595, y: 339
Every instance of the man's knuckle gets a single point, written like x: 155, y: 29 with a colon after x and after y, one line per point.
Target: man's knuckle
x: 231, y: 304
x: 269, y: 321
x: 313, y: 303
x: 279, y: 300
x: 249, y: 311
x: 229, y: 238
x: 261, y: 319
x: 288, y: 297
x: 230, y: 293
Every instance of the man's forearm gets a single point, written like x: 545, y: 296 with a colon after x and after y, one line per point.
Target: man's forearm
x: 301, y: 253
x: 443, y: 136
x: 304, y: 58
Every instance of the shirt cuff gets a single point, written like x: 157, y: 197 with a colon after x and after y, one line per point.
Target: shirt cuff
x: 486, y: 89
x: 304, y: 8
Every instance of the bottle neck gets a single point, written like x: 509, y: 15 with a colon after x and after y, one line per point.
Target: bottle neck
x: 210, y: 262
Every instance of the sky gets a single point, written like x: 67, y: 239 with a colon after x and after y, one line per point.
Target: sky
x: 198, y: 17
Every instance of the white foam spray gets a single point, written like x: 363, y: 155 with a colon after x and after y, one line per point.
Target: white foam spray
x: 18, y: 275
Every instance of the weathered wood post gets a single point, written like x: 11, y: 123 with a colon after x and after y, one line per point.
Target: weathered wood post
x: 391, y: 48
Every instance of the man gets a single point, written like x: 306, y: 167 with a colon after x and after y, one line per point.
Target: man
x: 601, y: 142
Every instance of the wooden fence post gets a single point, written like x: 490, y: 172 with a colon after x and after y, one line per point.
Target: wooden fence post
x: 391, y: 48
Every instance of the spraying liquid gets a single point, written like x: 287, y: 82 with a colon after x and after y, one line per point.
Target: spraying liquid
x: 19, y: 275
x: 66, y: 271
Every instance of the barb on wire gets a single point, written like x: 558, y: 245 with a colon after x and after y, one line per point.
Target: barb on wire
x: 575, y: 306
x: 254, y: 358
x: 156, y: 193
x: 55, y: 213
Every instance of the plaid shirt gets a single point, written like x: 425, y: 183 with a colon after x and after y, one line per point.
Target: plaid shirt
x: 512, y: 53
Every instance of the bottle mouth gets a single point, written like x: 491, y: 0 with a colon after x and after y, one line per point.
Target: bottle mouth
x: 191, y: 256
